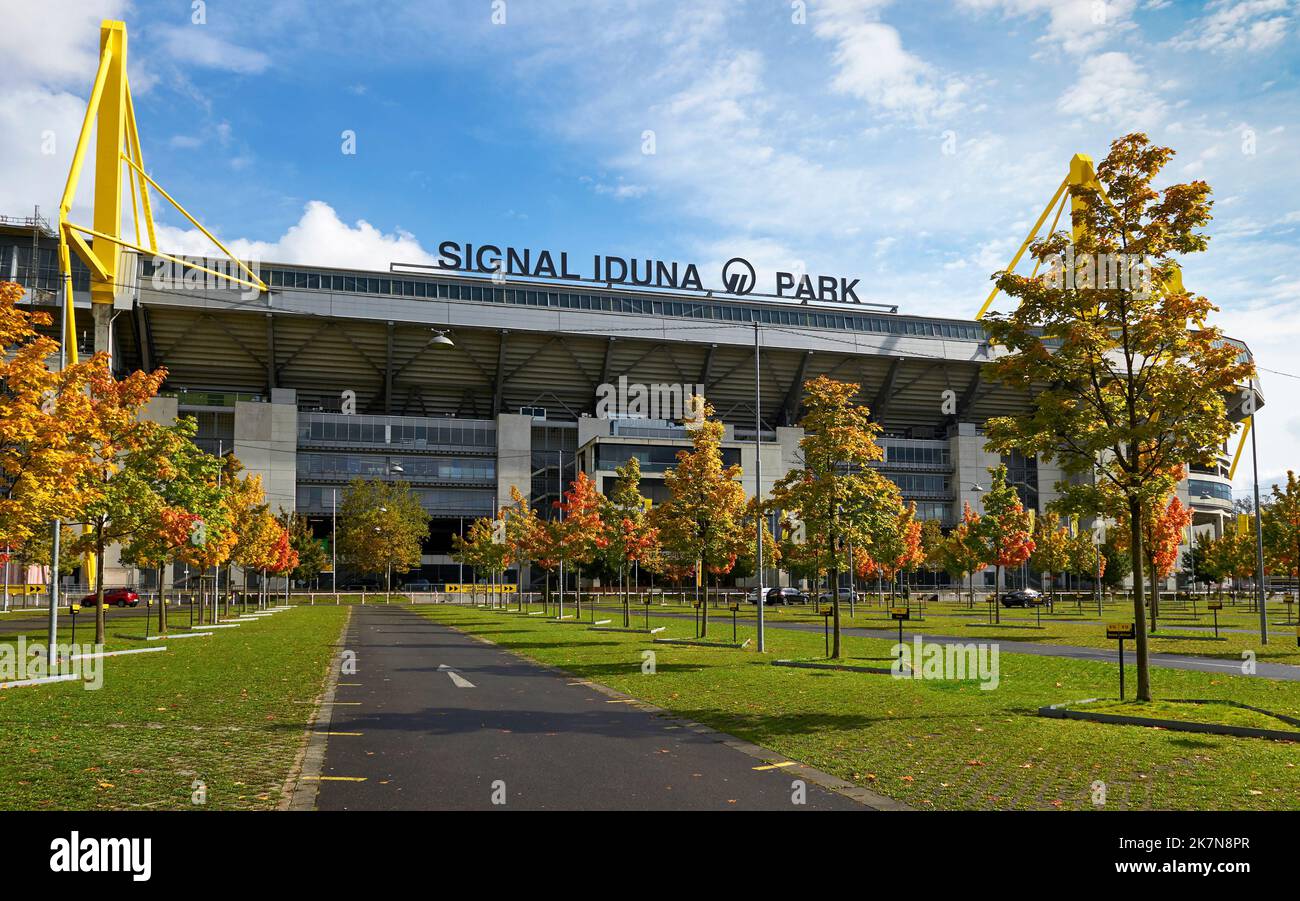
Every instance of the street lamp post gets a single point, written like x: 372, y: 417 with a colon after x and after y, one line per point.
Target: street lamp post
x: 758, y: 493
x: 1259, y: 528
x: 975, y: 488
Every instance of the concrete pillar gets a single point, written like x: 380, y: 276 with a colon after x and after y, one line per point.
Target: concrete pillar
x: 266, y: 442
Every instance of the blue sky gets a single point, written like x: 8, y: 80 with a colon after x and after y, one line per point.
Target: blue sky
x: 909, y: 144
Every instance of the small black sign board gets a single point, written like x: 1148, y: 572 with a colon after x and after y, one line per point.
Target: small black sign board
x: 1215, y: 607
x: 900, y: 614
x: 1119, y: 632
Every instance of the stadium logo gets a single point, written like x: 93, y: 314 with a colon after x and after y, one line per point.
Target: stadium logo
x: 738, y: 276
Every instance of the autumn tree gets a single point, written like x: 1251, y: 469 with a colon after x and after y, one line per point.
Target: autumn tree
x: 580, y: 533
x: 1203, y: 561
x: 703, y: 521
x: 482, y: 548
x: 932, y: 547
x: 309, y: 549
x: 189, y: 495
x: 120, y: 491
x: 48, y: 425
x: 894, y: 550
x: 1162, y: 534
x: 1052, y: 550
x: 1005, y: 531
x: 1124, y: 391
x: 1085, y: 558
x: 382, y: 527
x: 963, y: 552
x: 1281, y: 526
x: 631, y: 538
x: 839, y: 496
x: 523, y: 532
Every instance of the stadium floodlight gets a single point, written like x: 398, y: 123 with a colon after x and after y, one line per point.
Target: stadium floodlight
x: 440, y: 337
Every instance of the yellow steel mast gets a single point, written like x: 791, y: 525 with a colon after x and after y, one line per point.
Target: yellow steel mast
x: 111, y: 114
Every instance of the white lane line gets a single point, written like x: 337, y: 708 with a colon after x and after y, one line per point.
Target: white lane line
x: 457, y: 679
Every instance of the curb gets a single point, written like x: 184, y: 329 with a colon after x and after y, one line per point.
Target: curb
x: 1058, y: 712
x: 843, y: 667
x: 304, y: 778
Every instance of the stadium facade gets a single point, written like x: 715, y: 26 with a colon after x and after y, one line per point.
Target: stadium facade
x: 467, y: 385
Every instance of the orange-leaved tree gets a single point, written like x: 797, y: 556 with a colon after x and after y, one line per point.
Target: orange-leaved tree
x: 1005, y: 530
x: 581, y: 533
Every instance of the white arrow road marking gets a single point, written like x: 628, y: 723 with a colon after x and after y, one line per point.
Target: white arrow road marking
x: 456, y: 678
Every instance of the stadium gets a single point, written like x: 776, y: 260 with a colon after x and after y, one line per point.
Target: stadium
x: 469, y: 383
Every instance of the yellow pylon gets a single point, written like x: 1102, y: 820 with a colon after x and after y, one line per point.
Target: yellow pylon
x: 111, y: 114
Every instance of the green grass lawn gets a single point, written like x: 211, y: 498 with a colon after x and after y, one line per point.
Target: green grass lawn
x: 230, y: 710
x: 932, y: 744
x: 1066, y: 627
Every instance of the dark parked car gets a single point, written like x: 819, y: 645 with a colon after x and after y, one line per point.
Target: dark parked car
x: 779, y: 596
x: 1023, y: 597
x: 115, y: 597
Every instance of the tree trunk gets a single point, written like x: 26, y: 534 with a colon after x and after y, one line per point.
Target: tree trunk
x: 162, y: 605
x: 1141, y: 659
x: 1155, y: 596
x: 704, y: 606
x: 997, y: 594
x: 835, y: 607
x: 99, y: 584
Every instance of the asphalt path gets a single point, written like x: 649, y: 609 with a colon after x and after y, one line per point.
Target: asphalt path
x: 1281, y: 671
x: 436, y: 720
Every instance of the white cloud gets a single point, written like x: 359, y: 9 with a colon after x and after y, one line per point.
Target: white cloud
x: 1113, y: 90
x: 318, y: 238
x: 55, y: 42
x: 874, y: 66
x: 198, y: 45
x: 1077, y: 26
x: 1250, y: 26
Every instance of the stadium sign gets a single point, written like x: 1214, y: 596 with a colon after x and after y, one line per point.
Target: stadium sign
x: 739, y: 277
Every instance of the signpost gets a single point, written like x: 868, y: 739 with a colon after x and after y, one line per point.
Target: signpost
x: 1119, y: 632
x: 826, y: 625
x: 697, y: 605
x: 735, y: 608
x: 73, y: 610
x: 1215, y: 606
x: 900, y: 614
x: 647, y: 602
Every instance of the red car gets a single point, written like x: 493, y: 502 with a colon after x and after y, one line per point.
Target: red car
x: 117, y: 597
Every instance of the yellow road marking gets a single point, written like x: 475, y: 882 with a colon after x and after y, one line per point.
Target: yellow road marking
x: 334, y: 778
x: 353, y: 684
x: 621, y: 701
x: 340, y: 733
x: 775, y: 766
